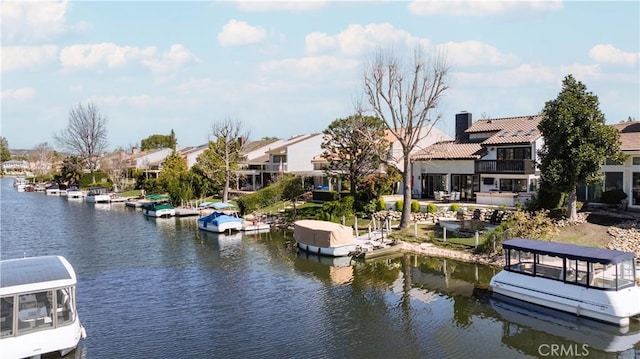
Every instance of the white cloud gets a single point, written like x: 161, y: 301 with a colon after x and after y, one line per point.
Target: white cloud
x: 27, y: 57
x: 18, y: 94
x: 470, y: 53
x: 136, y: 101
x: 609, y: 54
x: 240, y: 33
x: 113, y: 56
x: 308, y: 67
x: 191, y: 85
x: 356, y: 40
x: 525, y: 75
x: 480, y: 7
x: 177, y: 57
x: 280, y: 5
x: 32, y: 21
x: 103, y: 54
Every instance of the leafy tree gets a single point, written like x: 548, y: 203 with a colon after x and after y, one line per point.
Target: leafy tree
x: 85, y: 135
x: 5, y: 153
x: 404, y: 98
x: 218, y: 162
x: 155, y: 142
x: 355, y: 147
x: 72, y: 169
x: 577, y: 141
x: 175, y: 178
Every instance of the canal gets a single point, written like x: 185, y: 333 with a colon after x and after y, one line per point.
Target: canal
x: 160, y: 288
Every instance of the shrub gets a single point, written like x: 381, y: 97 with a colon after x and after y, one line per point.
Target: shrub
x: 415, y: 206
x: 454, y: 207
x: 614, y: 196
x: 432, y: 208
x: 399, y: 205
x: 381, y: 205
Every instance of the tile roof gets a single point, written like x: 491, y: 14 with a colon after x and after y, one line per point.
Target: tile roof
x: 449, y: 150
x: 254, y: 145
x: 629, y: 135
x: 522, y: 129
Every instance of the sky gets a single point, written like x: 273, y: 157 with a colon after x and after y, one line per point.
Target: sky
x: 286, y: 68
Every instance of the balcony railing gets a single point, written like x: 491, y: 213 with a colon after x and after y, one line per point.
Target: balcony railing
x: 505, y: 166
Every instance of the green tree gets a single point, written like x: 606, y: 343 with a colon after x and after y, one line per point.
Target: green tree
x: 355, y: 147
x: 405, y: 99
x: 175, y: 178
x: 72, y: 169
x: 85, y: 135
x: 5, y: 153
x: 155, y: 142
x: 576, y: 141
x: 218, y: 162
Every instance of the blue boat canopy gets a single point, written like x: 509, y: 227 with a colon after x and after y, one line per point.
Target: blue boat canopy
x: 570, y: 251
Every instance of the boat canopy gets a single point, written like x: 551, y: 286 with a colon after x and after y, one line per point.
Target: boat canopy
x: 35, y: 270
x: 570, y: 251
x: 217, y: 205
x: 322, y: 233
x: 158, y: 197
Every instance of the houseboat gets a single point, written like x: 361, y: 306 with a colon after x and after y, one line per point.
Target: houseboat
x: 596, y: 283
x: 38, y: 307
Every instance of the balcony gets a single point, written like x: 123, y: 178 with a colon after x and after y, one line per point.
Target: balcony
x: 506, y: 166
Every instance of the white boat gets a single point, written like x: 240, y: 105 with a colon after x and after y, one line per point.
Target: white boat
x: 325, y: 238
x: 98, y: 195
x: 596, y: 283
x: 75, y: 193
x: 158, y: 206
x: 20, y: 184
x: 223, y: 219
x: 52, y: 190
x: 38, y: 307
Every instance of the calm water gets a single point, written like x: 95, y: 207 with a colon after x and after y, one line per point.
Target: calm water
x: 159, y: 288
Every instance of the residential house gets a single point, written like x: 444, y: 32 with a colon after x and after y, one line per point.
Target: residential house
x: 15, y: 166
x: 190, y: 154
x: 295, y: 156
x: 151, y: 162
x: 254, y: 163
x: 625, y: 176
x: 491, y: 161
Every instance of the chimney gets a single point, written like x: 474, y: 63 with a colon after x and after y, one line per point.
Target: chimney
x: 463, y: 121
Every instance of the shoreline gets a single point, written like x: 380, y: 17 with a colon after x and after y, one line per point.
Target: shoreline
x: 432, y: 250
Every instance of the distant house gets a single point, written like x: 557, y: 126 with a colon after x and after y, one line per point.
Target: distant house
x: 15, y: 166
x: 151, y: 162
x: 624, y: 176
x: 190, y: 154
x: 491, y: 161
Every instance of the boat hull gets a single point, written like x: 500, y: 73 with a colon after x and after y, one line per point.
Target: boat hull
x: 615, y: 307
x: 219, y: 228
x: 159, y: 213
x: 64, y: 340
x: 337, y: 251
x: 101, y: 198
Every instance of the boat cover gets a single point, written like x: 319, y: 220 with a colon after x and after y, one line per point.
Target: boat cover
x: 321, y: 233
x: 571, y: 251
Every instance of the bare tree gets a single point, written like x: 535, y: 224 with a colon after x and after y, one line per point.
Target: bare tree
x: 42, y: 155
x: 115, y: 165
x: 85, y: 135
x: 224, y: 153
x: 404, y: 98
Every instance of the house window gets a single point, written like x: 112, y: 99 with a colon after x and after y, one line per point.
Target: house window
x: 433, y: 182
x: 611, y: 162
x: 514, y: 153
x: 636, y: 161
x: 612, y: 180
x: 636, y: 189
x: 513, y: 185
